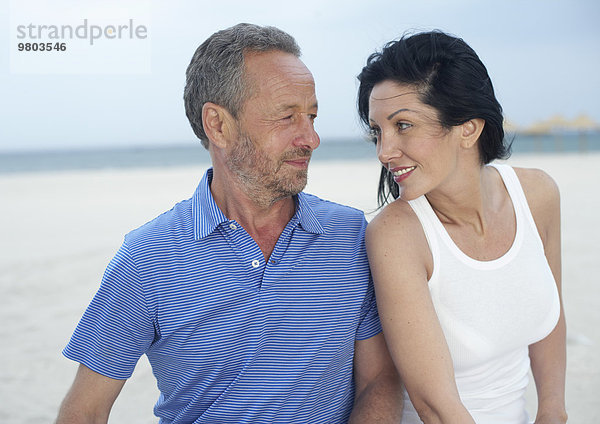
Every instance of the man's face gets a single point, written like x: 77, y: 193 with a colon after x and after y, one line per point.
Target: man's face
x: 276, y: 133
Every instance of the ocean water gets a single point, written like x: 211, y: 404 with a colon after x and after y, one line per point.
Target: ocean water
x: 192, y: 153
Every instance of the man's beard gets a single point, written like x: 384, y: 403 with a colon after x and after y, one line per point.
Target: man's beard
x: 267, y: 179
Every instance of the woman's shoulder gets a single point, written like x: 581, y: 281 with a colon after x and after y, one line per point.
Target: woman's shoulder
x: 396, y: 227
x: 543, y: 198
x: 539, y: 187
x: 397, y: 246
x: 397, y: 216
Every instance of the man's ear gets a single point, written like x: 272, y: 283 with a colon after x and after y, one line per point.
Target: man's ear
x: 219, y: 124
x: 471, y: 130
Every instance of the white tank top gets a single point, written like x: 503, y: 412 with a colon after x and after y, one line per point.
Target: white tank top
x: 491, y: 311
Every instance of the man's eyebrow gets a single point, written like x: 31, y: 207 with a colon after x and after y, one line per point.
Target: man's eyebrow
x: 286, y: 107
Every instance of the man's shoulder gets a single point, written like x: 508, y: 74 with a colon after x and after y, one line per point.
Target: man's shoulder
x: 176, y: 223
x: 336, y: 218
x: 323, y: 206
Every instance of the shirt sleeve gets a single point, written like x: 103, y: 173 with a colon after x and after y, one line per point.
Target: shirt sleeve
x: 116, y: 329
x: 369, y: 325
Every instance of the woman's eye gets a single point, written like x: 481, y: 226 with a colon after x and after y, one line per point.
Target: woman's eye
x: 403, y: 126
x: 374, y: 134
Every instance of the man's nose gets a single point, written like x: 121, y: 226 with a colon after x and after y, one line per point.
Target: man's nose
x: 307, y: 136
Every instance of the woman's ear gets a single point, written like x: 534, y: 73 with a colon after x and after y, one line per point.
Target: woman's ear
x: 218, y: 124
x: 471, y: 130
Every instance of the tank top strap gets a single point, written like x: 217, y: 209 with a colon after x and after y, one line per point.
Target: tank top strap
x: 430, y: 224
x: 517, y: 195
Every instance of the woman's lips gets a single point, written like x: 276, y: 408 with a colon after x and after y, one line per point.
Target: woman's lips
x: 402, y: 172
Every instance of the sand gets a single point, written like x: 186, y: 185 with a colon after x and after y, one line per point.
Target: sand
x: 59, y: 230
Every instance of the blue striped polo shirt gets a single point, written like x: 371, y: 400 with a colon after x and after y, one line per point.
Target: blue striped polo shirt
x: 233, y: 338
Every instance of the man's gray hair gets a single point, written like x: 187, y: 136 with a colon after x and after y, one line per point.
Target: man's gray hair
x: 216, y: 72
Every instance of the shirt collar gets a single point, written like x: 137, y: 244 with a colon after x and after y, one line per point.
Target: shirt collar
x: 207, y: 215
x: 307, y: 216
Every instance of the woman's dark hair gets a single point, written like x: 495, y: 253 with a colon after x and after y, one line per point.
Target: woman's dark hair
x: 449, y: 77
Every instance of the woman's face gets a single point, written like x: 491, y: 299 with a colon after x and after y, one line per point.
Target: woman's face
x: 411, y: 143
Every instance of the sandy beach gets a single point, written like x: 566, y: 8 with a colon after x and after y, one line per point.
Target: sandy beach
x: 59, y: 230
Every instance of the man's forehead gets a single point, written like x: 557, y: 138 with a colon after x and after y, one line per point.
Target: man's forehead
x: 310, y: 103
x: 274, y: 61
x: 277, y: 73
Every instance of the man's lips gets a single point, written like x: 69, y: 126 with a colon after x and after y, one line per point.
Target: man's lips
x: 300, y: 162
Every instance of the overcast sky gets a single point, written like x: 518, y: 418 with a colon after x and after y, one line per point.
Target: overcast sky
x: 543, y: 57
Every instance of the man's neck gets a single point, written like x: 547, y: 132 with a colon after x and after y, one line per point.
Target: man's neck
x: 263, y: 220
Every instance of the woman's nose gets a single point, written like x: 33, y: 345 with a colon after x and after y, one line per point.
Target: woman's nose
x: 387, y: 149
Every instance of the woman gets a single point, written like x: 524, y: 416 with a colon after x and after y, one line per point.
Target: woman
x: 466, y: 260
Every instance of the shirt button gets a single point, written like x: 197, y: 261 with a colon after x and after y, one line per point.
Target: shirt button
x: 274, y: 261
x: 255, y: 263
x: 233, y: 226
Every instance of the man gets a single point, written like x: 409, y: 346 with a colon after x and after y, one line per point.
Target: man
x: 252, y: 300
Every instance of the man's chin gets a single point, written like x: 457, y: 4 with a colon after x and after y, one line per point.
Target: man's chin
x: 300, y: 184
x: 297, y: 180
x: 291, y: 189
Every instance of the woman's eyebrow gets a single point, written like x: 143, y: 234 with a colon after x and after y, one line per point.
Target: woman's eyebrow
x: 391, y: 115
